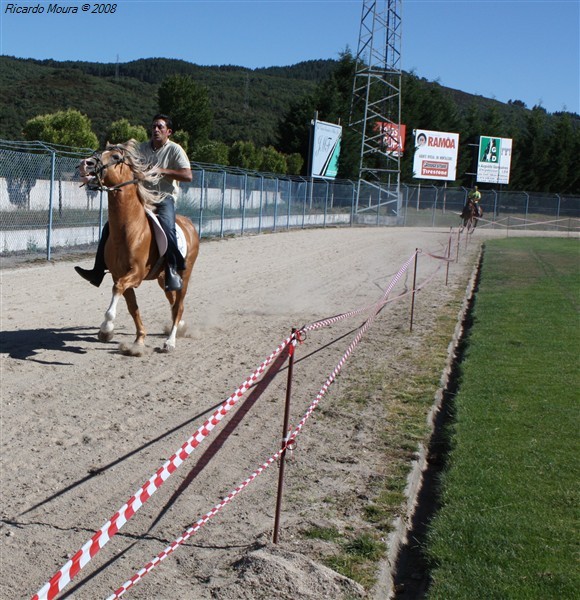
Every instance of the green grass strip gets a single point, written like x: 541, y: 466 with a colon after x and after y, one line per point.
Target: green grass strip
x: 508, y: 525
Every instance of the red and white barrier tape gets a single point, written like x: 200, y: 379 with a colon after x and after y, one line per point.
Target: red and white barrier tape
x: 352, y: 346
x: 290, y: 441
x: 331, y: 320
x: 101, y: 537
x: 193, y: 529
x: 65, y: 574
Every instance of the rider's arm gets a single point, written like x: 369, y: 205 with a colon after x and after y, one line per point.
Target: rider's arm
x: 177, y: 174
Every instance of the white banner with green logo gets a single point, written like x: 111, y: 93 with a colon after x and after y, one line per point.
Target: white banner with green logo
x: 325, y: 149
x: 494, y: 160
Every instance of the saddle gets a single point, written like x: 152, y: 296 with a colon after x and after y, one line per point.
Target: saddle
x: 161, y: 241
x: 161, y: 238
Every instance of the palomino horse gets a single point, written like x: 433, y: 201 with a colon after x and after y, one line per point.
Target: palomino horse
x: 469, y: 216
x: 131, y: 252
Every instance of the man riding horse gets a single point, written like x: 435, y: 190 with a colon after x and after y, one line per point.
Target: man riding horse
x: 475, y: 197
x: 170, y: 160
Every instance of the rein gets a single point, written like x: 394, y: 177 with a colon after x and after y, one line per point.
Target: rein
x: 104, y: 188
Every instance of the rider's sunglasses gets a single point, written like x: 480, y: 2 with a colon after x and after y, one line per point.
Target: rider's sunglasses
x: 159, y: 126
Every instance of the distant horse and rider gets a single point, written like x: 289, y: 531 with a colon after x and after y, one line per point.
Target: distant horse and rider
x: 472, y: 211
x: 134, y: 247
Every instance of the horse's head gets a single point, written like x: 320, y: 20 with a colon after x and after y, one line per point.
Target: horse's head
x: 121, y: 165
x: 107, y: 169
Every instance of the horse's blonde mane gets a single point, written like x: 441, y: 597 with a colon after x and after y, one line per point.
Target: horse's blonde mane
x: 142, y: 172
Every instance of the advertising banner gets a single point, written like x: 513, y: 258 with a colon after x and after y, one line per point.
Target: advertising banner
x: 435, y: 155
x: 494, y: 160
x: 325, y: 149
x: 393, y: 137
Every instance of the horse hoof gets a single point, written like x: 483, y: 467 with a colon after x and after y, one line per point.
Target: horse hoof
x: 105, y: 336
x: 168, y: 348
x: 133, y: 349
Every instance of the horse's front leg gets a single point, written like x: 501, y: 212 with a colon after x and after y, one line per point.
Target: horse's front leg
x: 108, y: 325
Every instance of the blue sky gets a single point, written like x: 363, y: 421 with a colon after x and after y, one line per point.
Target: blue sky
x: 527, y: 50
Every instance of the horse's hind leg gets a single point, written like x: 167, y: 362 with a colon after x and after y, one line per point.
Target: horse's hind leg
x: 177, y: 325
x: 133, y: 308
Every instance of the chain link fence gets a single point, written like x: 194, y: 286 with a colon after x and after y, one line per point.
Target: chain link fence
x: 44, y: 208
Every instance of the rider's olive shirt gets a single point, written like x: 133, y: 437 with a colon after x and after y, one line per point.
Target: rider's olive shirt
x: 169, y: 156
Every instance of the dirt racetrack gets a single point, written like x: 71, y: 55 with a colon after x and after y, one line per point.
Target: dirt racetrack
x: 83, y: 427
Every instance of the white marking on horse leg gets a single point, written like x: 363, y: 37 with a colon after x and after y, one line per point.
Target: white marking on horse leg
x: 170, y: 341
x: 108, y: 325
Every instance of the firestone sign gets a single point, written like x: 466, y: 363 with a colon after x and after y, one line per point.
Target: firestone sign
x: 435, y: 155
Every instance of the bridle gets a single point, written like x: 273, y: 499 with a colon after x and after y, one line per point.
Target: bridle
x: 99, y: 170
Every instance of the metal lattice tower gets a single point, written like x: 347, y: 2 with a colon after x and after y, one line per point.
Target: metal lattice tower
x: 376, y: 97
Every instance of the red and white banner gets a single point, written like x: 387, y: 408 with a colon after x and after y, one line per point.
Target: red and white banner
x: 392, y: 137
x: 435, y: 155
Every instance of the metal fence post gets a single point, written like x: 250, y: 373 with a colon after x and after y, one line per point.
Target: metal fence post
x: 288, y: 212
x: 261, y: 203
x: 50, y: 204
x: 311, y: 203
x: 434, y: 207
x: 276, y: 203
x: 223, y: 205
x: 414, y: 290
x: 291, y: 349
x: 244, y: 200
x: 201, y: 190
x: 325, y: 205
x: 352, y: 203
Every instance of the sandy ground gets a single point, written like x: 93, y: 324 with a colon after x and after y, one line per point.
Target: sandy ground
x: 83, y: 427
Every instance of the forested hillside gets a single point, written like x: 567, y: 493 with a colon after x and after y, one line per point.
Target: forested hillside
x: 247, y: 116
x: 247, y: 104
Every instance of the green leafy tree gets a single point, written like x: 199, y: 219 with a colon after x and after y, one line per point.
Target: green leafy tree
x: 293, y: 130
x: 469, y: 142
x: 294, y: 163
x: 213, y: 152
x: 331, y: 100
x: 182, y: 138
x: 188, y: 105
x: 244, y: 155
x: 272, y: 161
x: 563, y: 170
x: 68, y: 128
x: 532, y: 152
x: 120, y: 131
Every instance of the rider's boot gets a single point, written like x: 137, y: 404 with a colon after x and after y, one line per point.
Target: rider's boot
x: 173, y: 281
x: 97, y: 273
